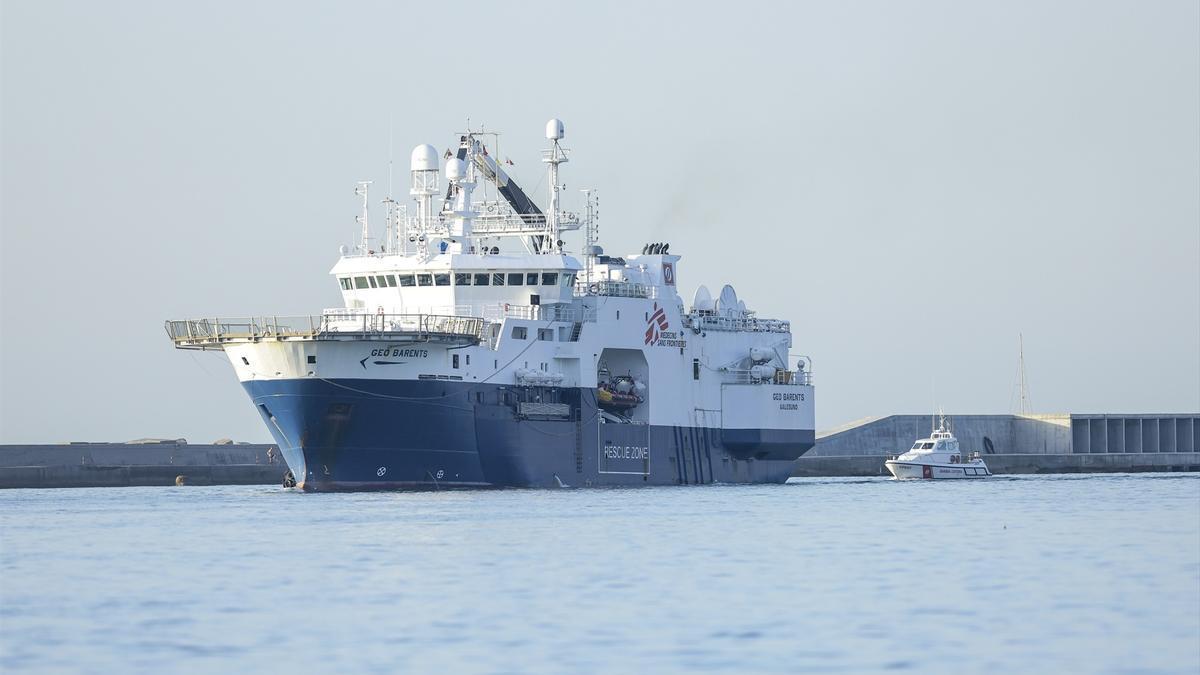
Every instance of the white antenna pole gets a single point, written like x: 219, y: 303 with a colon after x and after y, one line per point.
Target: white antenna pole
x: 361, y: 191
x: 589, y: 235
x: 554, y: 156
x: 1026, y: 406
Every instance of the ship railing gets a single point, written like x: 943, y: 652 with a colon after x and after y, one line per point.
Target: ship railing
x: 797, y: 378
x: 215, y: 332
x: 498, y: 217
x: 616, y: 289
x: 549, y: 312
x: 698, y: 321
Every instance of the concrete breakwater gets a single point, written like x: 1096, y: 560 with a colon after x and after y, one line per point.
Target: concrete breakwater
x: 139, y: 463
x: 1013, y: 444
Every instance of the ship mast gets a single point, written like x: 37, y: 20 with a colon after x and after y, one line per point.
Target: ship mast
x: 554, y: 156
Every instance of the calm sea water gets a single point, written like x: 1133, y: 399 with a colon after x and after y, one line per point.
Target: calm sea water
x: 1068, y: 574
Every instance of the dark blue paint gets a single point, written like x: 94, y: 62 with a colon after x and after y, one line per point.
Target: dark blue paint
x: 383, y: 434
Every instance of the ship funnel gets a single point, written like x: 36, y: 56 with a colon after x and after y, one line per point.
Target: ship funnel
x: 424, y: 158
x: 554, y: 129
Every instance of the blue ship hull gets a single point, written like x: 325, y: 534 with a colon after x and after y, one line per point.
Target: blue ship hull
x: 362, y: 434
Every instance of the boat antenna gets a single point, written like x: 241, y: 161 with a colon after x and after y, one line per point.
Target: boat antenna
x: 590, y: 236
x: 1025, y: 406
x: 389, y: 203
x: 361, y: 191
x: 554, y: 156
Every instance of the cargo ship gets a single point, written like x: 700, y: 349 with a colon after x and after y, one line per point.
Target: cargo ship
x: 474, y: 349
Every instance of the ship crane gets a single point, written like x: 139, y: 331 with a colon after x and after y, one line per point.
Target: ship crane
x: 471, y: 149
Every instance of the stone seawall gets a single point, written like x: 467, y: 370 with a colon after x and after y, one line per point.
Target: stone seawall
x: 139, y: 464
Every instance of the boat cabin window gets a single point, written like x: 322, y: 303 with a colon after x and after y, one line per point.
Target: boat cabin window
x: 546, y: 334
x: 346, y: 283
x: 568, y: 280
x: 482, y: 279
x: 520, y: 333
x: 516, y: 279
x: 441, y: 279
x: 407, y: 280
x: 927, y: 446
x: 549, y: 278
x: 916, y: 446
x: 531, y: 278
x: 424, y: 279
x: 498, y: 278
x: 461, y: 279
x: 391, y: 279
x: 360, y: 282
x: 372, y: 280
x: 381, y: 280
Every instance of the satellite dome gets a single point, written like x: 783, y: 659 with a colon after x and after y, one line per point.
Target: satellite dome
x: 456, y: 169
x: 728, y: 302
x: 554, y: 129
x: 424, y: 158
x: 703, y: 300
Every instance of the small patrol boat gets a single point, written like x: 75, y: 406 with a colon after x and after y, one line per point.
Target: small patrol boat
x: 937, y: 456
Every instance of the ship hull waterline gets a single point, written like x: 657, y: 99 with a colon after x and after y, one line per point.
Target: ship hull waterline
x: 350, y: 435
x: 928, y: 471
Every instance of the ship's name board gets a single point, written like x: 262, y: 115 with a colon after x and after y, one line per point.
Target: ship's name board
x: 788, y: 400
x: 405, y: 352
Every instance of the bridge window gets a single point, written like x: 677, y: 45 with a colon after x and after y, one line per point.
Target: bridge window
x: 441, y: 279
x: 498, y: 279
x: 482, y: 279
x: 568, y: 280
x: 461, y: 279
x: 391, y: 279
x: 531, y: 278
x: 515, y: 279
x: 407, y: 280
x: 546, y: 334
x: 360, y: 282
x: 372, y: 280
x: 382, y: 281
x: 424, y: 279
x: 346, y: 284
x: 520, y: 333
x: 549, y: 278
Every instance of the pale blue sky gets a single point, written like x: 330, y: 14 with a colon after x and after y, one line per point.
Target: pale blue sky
x: 912, y: 184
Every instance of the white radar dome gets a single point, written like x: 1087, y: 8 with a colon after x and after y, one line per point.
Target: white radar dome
x: 703, y: 300
x: 424, y: 158
x: 554, y: 129
x: 456, y: 169
x: 727, y: 303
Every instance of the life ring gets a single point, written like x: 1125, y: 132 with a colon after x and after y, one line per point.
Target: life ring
x: 491, y: 208
x: 594, y: 288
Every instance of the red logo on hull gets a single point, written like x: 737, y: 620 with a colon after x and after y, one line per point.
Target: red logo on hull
x: 657, y: 322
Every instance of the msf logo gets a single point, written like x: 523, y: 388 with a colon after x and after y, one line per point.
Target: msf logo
x: 657, y: 322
